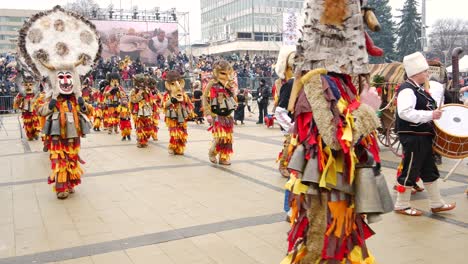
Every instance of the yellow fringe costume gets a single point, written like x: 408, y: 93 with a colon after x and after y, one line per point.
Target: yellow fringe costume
x: 64, y: 147
x: 140, y: 104
x: 125, y: 123
x: 176, y: 118
x: 222, y: 128
x: 31, y: 121
x: 157, y: 100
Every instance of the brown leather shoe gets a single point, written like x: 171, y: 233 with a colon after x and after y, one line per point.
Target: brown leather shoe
x: 443, y: 208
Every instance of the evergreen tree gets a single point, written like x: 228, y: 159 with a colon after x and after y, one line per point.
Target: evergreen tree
x: 409, y: 30
x: 385, y: 38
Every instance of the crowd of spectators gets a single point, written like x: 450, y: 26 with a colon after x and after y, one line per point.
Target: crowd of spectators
x: 250, y: 70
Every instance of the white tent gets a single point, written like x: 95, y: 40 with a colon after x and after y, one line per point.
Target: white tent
x: 462, y: 65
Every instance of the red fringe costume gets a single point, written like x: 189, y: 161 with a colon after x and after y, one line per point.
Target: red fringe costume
x: 141, y: 109
x: 125, y: 123
x: 333, y: 181
x: 176, y: 118
x: 98, y: 116
x: 98, y: 100
x: 65, y: 109
x: 144, y: 128
x: 222, y: 128
x: 157, y: 100
x: 64, y: 151
x: 112, y: 101
x: 31, y: 121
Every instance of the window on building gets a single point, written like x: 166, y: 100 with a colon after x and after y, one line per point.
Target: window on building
x: 9, y: 28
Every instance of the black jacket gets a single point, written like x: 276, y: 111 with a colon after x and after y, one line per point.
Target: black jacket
x: 263, y: 94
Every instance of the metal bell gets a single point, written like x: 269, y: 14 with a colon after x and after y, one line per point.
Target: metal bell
x: 55, y: 127
x: 311, y: 171
x: 85, y: 124
x: 385, y: 197
x: 367, y: 197
x: 70, y: 125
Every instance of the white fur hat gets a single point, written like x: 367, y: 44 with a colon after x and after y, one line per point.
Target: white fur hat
x: 415, y: 63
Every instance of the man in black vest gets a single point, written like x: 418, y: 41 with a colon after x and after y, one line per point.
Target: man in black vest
x: 415, y: 111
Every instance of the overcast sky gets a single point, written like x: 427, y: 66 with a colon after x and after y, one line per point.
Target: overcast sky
x: 435, y: 8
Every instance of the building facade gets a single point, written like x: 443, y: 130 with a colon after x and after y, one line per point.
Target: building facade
x: 11, y: 21
x: 233, y: 25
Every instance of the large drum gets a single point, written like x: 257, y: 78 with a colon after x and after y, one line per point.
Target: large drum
x: 451, y: 129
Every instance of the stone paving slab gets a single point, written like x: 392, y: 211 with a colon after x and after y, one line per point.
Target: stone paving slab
x: 145, y: 206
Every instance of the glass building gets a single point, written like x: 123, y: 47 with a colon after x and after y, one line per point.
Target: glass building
x: 11, y: 21
x: 245, y: 20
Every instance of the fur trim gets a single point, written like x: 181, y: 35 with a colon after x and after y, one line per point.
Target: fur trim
x: 323, y: 115
x: 366, y: 121
x: 317, y: 215
x: 334, y: 13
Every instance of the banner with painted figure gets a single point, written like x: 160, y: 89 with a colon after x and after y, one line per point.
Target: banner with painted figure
x: 291, y: 26
x: 142, y: 39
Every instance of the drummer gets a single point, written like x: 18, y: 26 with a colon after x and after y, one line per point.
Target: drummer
x: 415, y: 111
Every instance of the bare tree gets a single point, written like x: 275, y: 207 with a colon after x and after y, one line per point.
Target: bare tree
x: 87, y: 8
x: 448, y: 34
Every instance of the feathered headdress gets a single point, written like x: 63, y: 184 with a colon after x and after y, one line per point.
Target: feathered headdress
x: 58, y: 43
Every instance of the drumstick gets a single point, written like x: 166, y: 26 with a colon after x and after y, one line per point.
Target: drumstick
x: 452, y: 170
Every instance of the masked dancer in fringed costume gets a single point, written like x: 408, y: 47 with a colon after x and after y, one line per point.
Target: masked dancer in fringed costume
x: 24, y: 101
x: 333, y: 180
x: 125, y: 119
x: 62, y: 45
x: 284, y: 69
x: 156, y: 102
x: 87, y: 92
x: 178, y: 109
x: 39, y: 101
x: 218, y: 105
x: 112, y: 95
x: 141, y: 106
x: 98, y: 104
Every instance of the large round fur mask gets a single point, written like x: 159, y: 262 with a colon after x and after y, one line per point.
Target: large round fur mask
x: 59, y: 41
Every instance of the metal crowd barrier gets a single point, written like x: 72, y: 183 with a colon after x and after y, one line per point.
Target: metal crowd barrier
x: 6, y: 104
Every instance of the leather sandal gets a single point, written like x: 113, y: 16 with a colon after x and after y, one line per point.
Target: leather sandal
x: 409, y: 211
x: 443, y: 208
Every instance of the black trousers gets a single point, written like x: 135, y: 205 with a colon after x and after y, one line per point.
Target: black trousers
x: 262, y: 111
x: 418, y: 160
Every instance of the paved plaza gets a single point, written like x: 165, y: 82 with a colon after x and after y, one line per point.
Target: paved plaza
x: 138, y: 206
